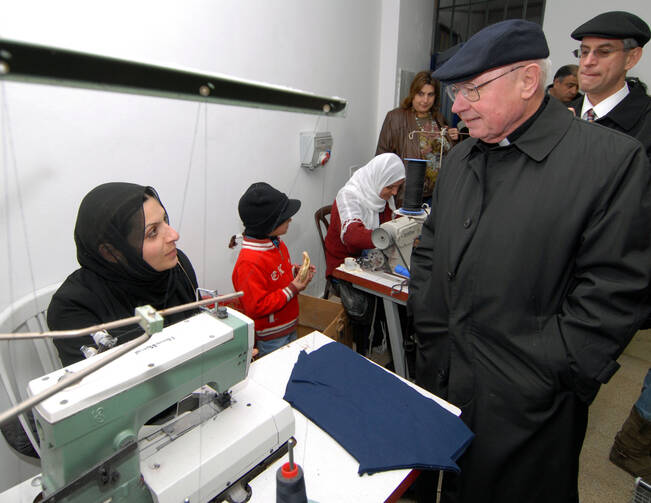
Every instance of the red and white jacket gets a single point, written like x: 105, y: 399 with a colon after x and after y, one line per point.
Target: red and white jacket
x: 264, y: 273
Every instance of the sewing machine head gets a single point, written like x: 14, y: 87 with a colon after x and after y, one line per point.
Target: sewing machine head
x: 396, y: 239
x: 93, y: 444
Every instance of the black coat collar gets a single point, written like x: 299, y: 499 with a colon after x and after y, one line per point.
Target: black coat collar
x: 540, y: 138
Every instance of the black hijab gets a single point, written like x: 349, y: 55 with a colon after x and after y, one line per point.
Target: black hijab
x: 114, y: 278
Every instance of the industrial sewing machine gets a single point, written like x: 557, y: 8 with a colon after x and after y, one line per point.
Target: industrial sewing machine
x: 396, y: 239
x: 96, y: 444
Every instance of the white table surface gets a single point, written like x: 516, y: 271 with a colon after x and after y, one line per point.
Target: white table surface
x: 379, y: 277
x: 330, y: 472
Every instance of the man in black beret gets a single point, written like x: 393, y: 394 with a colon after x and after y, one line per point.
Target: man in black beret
x: 528, y: 279
x: 611, y: 44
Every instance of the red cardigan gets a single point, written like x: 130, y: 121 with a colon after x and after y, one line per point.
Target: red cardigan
x: 356, y: 239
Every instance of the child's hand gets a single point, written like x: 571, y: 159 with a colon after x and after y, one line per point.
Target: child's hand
x: 302, y: 284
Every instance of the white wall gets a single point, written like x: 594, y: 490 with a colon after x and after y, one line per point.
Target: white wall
x: 66, y: 141
x: 414, y: 45
x: 388, y: 67
x: 405, y: 42
x: 562, y: 18
x: 58, y: 143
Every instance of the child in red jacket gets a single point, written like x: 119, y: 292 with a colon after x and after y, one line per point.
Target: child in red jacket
x: 263, y: 270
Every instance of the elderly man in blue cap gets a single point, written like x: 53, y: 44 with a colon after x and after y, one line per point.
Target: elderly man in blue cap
x: 531, y: 273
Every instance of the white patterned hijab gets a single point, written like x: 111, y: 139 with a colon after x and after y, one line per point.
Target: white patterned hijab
x: 359, y: 200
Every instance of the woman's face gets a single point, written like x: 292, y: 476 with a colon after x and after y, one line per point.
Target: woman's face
x: 391, y: 190
x: 424, y: 99
x: 159, y: 243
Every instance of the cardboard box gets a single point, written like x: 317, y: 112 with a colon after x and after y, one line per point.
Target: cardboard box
x: 326, y: 316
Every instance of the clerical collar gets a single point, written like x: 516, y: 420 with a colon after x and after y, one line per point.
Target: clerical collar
x: 512, y: 138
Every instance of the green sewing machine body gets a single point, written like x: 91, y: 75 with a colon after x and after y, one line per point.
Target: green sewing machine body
x: 92, y: 453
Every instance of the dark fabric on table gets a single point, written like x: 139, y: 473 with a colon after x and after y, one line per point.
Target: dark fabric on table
x: 381, y: 421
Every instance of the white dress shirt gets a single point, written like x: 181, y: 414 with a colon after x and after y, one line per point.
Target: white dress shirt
x: 606, y: 105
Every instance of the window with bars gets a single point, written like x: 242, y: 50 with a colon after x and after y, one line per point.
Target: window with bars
x: 458, y: 20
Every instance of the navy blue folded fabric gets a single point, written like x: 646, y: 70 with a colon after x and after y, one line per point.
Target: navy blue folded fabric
x: 381, y: 421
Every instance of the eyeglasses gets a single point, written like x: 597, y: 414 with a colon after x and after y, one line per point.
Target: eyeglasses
x: 599, y: 52
x: 470, y: 92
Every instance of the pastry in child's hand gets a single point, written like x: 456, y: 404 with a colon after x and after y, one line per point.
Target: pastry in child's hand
x: 305, y: 268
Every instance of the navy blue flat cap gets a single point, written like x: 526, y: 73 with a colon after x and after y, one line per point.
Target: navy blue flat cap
x: 615, y: 24
x: 496, y: 45
x: 447, y: 54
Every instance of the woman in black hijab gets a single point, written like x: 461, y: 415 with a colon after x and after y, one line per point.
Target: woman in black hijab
x: 128, y: 257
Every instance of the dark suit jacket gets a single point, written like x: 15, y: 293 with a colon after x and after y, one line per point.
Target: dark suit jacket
x: 632, y: 115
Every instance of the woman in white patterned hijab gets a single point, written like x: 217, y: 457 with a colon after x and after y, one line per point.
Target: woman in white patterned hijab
x: 369, y: 190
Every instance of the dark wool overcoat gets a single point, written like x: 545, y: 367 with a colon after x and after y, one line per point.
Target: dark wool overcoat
x: 529, y: 280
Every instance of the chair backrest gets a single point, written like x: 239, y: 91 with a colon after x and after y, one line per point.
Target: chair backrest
x: 322, y: 220
x: 24, y: 360
x: 21, y: 361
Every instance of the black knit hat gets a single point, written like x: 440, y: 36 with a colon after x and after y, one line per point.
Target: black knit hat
x: 614, y: 24
x: 263, y: 208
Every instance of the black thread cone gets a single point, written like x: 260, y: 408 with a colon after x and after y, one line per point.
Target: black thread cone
x: 414, y: 184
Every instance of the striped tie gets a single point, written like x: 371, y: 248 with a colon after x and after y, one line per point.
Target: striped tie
x: 590, y: 115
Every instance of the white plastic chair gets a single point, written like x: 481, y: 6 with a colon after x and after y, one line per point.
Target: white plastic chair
x: 21, y: 361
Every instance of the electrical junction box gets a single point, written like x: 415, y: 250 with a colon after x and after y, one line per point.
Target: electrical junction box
x: 316, y: 149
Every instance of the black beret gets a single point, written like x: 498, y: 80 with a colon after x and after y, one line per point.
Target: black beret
x: 496, y: 45
x: 615, y: 24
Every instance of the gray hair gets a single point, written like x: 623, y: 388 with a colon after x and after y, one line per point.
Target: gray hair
x: 629, y: 43
x: 545, y: 66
